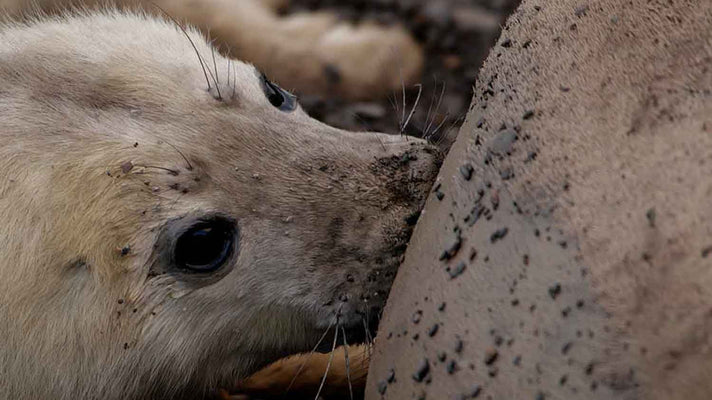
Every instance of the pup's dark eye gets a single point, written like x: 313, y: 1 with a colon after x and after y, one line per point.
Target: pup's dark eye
x: 206, y: 246
x: 277, y: 96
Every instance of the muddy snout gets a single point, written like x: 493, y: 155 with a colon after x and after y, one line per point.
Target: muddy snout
x: 407, y: 176
x: 410, y: 174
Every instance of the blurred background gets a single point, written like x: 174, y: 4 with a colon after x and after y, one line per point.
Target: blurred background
x: 456, y: 36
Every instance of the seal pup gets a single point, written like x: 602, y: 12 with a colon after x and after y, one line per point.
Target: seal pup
x: 171, y: 225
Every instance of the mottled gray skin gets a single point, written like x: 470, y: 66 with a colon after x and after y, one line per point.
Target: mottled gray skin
x: 587, y: 275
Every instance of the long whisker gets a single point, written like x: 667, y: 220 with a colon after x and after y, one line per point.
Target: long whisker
x: 200, y: 59
x: 346, y: 360
x: 229, y: 61
x: 438, y: 127
x: 190, y: 166
x: 234, y: 80
x: 171, y: 171
x: 415, y: 105
x: 402, y: 123
x: 301, y: 367
x: 217, y: 86
x: 437, y: 108
x: 215, y: 65
x: 432, y: 103
x: 328, y: 364
x: 369, y: 338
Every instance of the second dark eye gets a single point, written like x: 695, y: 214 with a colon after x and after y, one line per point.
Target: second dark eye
x: 277, y: 96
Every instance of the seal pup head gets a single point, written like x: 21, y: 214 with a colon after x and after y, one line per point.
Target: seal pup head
x: 165, y: 231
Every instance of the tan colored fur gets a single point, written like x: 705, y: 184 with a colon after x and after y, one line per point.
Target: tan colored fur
x: 109, y: 136
x: 599, y: 288
x: 312, y: 53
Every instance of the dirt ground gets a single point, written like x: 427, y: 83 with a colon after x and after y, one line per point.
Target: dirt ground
x: 456, y: 36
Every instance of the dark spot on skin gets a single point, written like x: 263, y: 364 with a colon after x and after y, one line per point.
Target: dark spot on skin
x: 422, y: 371
x: 506, y: 43
x: 651, y: 215
x: 120, y: 301
x: 466, y: 171
x: 555, y: 291
x: 451, y: 367
x: 391, y: 376
x: 506, y: 174
x: 498, y: 340
x: 457, y: 270
x: 517, y: 360
x: 416, y: 316
x: 459, y: 344
x: 566, y: 347
x: 382, y: 386
x: 565, y: 312
x: 529, y: 113
x: 589, y: 368
x: 442, y: 306
x: 706, y: 251
x: 491, y: 356
x: 563, y: 380
x: 126, y: 346
x: 433, y: 330
x: 474, y: 215
x: 451, y: 251
x: 475, y: 391
x: 442, y: 356
x: 499, y: 234
x: 440, y: 195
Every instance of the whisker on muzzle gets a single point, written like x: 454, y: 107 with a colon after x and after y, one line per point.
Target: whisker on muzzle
x: 328, y: 364
x: 404, y: 125
x: 348, y: 367
x: 306, y: 361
